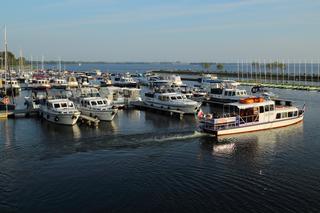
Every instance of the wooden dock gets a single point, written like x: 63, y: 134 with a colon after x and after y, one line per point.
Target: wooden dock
x: 142, y: 106
x: 23, y: 113
x: 90, y: 121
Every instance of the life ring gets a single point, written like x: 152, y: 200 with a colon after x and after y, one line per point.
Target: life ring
x: 6, y: 100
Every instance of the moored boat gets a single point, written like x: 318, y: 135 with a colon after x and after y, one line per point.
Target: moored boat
x: 59, y: 111
x: 97, y: 107
x: 171, y: 100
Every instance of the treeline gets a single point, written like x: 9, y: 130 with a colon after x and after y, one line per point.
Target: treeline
x: 12, y: 60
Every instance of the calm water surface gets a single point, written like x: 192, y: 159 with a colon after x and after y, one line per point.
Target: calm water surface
x: 147, y: 162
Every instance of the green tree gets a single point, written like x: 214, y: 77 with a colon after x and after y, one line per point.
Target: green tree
x: 206, y: 66
x: 220, y: 67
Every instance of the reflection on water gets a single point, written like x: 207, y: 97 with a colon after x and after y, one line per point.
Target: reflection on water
x: 253, y: 142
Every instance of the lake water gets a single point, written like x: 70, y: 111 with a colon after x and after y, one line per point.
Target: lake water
x: 148, y: 162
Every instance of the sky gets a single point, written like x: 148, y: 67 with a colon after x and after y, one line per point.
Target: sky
x: 163, y: 30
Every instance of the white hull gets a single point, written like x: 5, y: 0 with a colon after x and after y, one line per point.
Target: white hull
x: 257, y: 127
x: 188, y: 109
x: 64, y: 119
x: 106, y: 115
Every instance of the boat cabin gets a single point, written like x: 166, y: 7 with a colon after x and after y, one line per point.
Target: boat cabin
x: 60, y: 105
x: 94, y: 102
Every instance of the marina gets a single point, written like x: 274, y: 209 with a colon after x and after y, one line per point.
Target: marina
x: 160, y: 106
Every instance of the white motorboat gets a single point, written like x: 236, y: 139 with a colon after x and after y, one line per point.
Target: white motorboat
x: 39, y: 84
x: 121, y: 96
x: 124, y: 81
x: 225, y: 95
x: 262, y: 91
x: 59, y: 83
x: 97, y: 107
x: 12, y: 87
x: 251, y: 114
x: 171, y: 101
x: 72, y: 82
x: 59, y: 111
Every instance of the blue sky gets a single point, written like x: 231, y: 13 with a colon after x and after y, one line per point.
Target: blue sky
x: 176, y: 30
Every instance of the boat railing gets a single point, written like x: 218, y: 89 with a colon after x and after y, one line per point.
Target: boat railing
x: 249, y: 119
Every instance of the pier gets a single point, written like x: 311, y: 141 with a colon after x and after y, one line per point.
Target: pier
x: 90, y: 121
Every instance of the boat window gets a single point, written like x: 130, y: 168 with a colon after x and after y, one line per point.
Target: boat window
x: 290, y: 114
x: 63, y: 104
x: 238, y: 93
x: 179, y: 97
x: 233, y: 93
x: 93, y: 103
x: 105, y: 102
x: 266, y: 108
x: 284, y: 115
x: 278, y: 116
x: 56, y: 105
x: 225, y: 93
x: 100, y: 102
x: 261, y: 109
x: 173, y: 98
x: 271, y: 107
x: 295, y: 113
x: 71, y: 104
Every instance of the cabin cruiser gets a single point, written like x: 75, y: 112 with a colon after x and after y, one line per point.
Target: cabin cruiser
x: 59, y: 111
x: 173, y: 80
x: 12, y: 87
x: 171, y: 100
x: 251, y: 114
x: 121, y: 96
x: 59, y: 83
x: 262, y: 91
x: 72, y: 82
x: 96, y: 107
x: 124, y: 81
x: 39, y: 84
x: 225, y: 95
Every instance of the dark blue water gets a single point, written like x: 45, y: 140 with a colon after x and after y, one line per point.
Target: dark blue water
x: 148, y: 162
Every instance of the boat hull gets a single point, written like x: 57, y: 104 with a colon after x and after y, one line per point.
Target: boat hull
x: 105, y: 115
x: 187, y: 109
x: 63, y: 119
x: 254, y: 127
